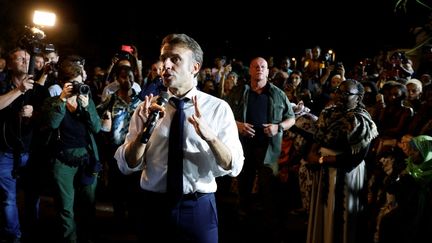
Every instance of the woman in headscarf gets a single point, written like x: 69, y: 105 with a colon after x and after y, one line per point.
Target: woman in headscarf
x: 411, y: 221
x: 339, y: 195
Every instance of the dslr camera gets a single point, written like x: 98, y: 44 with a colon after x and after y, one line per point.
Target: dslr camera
x: 80, y: 88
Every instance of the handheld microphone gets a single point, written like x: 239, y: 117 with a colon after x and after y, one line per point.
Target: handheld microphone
x: 153, y: 117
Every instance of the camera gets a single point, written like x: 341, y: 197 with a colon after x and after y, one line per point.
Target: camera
x: 80, y: 88
x: 32, y: 41
x: 338, y: 65
x: 51, y: 67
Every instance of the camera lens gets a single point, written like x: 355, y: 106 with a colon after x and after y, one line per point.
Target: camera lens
x: 84, y: 89
x: 80, y: 88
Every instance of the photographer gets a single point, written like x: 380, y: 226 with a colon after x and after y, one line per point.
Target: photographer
x: 72, y: 116
x: 49, y: 78
x: 332, y: 70
x: 18, y: 108
x: 401, y: 66
x: 39, y: 64
x: 114, y: 85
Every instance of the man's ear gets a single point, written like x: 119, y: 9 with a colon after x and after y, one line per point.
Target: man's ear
x: 196, y: 68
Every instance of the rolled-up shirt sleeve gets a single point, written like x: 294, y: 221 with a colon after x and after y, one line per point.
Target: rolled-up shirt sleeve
x: 136, y: 124
x: 228, y: 133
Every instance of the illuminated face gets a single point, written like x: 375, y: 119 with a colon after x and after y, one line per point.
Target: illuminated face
x: 295, y: 79
x: 125, y: 77
x: 156, y: 69
x: 258, y: 70
x: 20, y: 62
x: 230, y: 82
x: 387, y: 164
x: 346, y: 95
x: 413, y: 91
x: 404, y: 143
x: 395, y: 95
x: 39, y: 62
x: 316, y: 52
x: 52, y: 57
x: 335, y: 80
x: 179, y: 68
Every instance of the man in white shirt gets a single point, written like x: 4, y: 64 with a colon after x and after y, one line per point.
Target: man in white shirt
x: 211, y: 148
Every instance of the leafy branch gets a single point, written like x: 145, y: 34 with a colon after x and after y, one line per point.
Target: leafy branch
x: 401, y: 5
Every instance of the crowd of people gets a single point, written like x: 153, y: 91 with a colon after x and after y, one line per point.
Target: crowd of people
x: 355, y: 142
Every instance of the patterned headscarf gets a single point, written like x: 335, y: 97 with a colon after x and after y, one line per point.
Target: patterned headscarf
x: 421, y: 171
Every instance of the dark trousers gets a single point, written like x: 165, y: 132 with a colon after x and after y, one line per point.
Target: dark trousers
x: 194, y: 219
x: 9, y: 217
x: 260, y: 201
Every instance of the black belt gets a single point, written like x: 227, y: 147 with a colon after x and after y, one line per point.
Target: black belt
x: 193, y: 196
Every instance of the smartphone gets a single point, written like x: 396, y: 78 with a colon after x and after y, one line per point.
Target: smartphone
x: 127, y: 48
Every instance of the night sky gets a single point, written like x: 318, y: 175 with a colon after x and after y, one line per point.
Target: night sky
x: 355, y: 29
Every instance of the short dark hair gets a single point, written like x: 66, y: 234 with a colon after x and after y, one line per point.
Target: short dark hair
x: 185, y: 41
x: 75, y: 58
x: 68, y: 70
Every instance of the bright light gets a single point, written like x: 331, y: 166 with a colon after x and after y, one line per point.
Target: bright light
x: 44, y: 18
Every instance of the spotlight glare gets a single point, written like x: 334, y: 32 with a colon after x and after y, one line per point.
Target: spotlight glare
x: 44, y: 18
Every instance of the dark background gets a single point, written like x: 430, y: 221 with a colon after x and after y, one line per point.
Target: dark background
x: 242, y: 30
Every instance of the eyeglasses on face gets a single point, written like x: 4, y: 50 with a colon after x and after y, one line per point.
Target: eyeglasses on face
x: 343, y: 93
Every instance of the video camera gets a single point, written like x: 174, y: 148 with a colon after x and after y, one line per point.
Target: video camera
x: 32, y: 41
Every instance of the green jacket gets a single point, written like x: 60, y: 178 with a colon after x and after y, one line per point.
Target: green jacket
x: 55, y: 110
x: 279, y: 110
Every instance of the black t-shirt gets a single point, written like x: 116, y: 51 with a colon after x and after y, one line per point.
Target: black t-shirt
x: 16, y: 132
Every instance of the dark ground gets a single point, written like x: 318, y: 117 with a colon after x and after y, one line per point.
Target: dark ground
x: 233, y: 228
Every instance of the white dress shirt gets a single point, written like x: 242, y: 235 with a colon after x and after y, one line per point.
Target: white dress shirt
x: 199, y: 164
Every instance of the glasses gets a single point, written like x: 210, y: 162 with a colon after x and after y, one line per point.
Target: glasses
x: 20, y: 59
x: 343, y: 93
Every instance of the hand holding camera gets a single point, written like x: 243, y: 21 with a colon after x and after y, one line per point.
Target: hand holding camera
x: 83, y: 100
x: 50, y: 68
x: 26, y: 84
x: 74, y: 88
